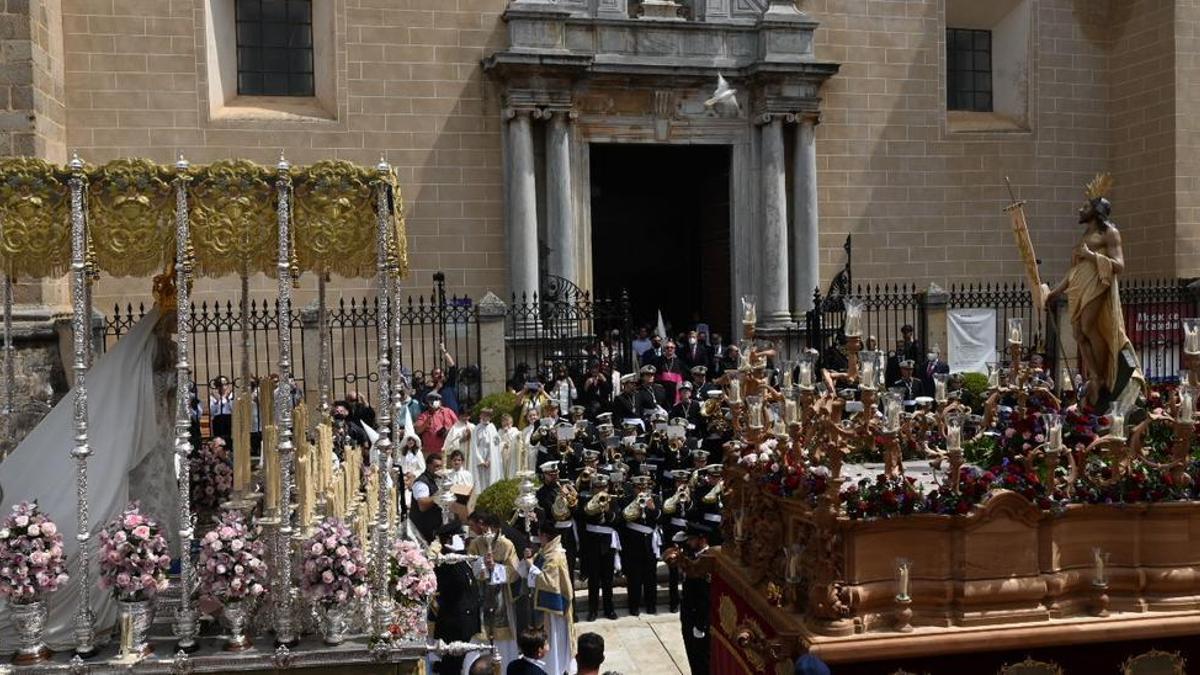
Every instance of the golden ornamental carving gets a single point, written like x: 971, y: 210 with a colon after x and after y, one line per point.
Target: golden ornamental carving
x: 131, y: 217
x: 1155, y: 661
x: 335, y: 222
x: 399, y: 227
x: 35, y: 230
x: 233, y: 216
x: 728, y: 615
x: 1031, y: 667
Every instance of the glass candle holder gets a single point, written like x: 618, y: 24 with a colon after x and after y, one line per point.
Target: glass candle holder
x: 1054, y: 431
x: 805, y: 368
x: 1191, y: 336
x: 1099, y: 565
x: 754, y: 411
x: 993, y: 381
x: 1187, y: 402
x: 790, y: 412
x: 1064, y: 380
x: 789, y: 372
x: 854, y: 318
x: 1016, y: 331
x: 868, y: 363
x: 903, y: 582
x: 940, y: 381
x: 893, y: 405
x: 735, y: 388
x: 794, y: 555
x: 749, y: 310
x: 954, y: 425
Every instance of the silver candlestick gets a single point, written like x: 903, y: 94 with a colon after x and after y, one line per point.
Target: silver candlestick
x: 186, y: 627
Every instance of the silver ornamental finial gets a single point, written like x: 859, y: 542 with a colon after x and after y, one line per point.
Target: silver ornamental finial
x: 181, y: 163
x: 383, y: 165
x: 283, y: 164
x: 76, y: 163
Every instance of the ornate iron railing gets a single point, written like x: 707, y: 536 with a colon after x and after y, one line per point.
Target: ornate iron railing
x: 426, y: 321
x: 565, y: 325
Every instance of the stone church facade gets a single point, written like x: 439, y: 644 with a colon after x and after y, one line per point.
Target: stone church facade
x: 499, y: 114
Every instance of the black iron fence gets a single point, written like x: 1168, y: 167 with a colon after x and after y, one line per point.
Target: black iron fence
x: 565, y: 325
x: 1011, y: 300
x: 1153, y: 309
x: 426, y: 323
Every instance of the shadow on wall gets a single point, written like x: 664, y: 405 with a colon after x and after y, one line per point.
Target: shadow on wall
x: 1102, y: 21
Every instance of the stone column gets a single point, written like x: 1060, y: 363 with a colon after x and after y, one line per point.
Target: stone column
x: 773, y: 309
x: 807, y: 231
x: 560, y: 205
x: 522, y: 206
x: 490, y: 312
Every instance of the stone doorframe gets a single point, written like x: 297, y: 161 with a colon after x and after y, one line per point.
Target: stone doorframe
x: 578, y: 79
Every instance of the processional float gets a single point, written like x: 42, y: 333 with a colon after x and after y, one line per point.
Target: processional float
x: 1081, y: 529
x: 132, y: 217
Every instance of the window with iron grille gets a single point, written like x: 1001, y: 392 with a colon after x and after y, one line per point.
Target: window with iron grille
x: 969, y: 69
x: 275, y: 48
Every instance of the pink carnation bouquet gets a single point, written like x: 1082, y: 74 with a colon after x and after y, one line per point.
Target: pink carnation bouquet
x: 334, y: 570
x: 211, y: 476
x: 31, y: 555
x: 413, y: 583
x: 231, y: 561
x: 133, y: 556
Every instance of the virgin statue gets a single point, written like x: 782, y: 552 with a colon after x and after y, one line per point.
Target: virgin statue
x: 131, y: 393
x: 1094, y: 303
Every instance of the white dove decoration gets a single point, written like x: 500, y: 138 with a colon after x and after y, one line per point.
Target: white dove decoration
x: 724, y: 100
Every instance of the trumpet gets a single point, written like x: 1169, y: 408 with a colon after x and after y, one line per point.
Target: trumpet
x: 633, y: 510
x: 599, y: 503
x: 680, y: 498
x: 585, y: 476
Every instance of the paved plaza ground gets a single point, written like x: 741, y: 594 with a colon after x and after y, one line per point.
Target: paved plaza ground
x: 646, y: 644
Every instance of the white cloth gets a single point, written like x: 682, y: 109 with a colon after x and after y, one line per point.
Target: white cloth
x: 485, y: 447
x: 563, y: 393
x: 123, y: 430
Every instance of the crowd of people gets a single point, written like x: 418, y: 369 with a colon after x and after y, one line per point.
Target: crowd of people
x: 629, y: 475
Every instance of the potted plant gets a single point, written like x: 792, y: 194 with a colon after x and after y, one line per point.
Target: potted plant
x: 31, y: 567
x: 232, y: 572
x: 133, y: 565
x: 333, y: 574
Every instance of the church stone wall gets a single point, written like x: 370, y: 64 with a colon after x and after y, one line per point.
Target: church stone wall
x: 409, y: 85
x: 922, y: 195
x: 924, y: 200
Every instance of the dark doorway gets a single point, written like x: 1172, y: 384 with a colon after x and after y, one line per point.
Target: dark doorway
x: 660, y: 230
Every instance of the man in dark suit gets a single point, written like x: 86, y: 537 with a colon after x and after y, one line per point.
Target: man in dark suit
x: 457, y: 601
x: 695, y: 352
x: 532, y: 643
x: 934, y: 365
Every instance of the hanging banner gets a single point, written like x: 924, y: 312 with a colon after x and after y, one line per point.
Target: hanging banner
x: 971, y: 335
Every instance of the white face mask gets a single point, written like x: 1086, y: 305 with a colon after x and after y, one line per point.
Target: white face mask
x: 691, y: 341
x: 435, y: 405
x: 931, y: 356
